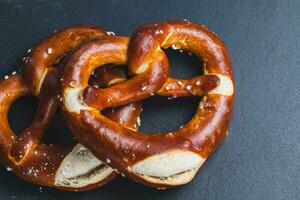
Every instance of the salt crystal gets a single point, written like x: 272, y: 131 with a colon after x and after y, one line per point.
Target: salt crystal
x: 144, y: 88
x: 138, y: 121
x: 157, y: 32
x: 9, y: 169
x: 174, y: 47
x: 49, y: 51
x: 110, y: 33
x: 173, y: 97
x: 72, y: 84
x: 201, y: 105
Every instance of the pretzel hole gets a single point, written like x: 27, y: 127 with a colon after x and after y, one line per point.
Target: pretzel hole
x: 21, y: 113
x: 183, y: 64
x: 164, y: 115
x: 57, y: 132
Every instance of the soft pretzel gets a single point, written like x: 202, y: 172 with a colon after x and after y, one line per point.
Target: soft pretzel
x: 164, y: 159
x: 71, y: 167
x: 50, y: 51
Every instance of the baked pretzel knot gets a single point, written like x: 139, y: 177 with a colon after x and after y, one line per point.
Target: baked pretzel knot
x: 163, y: 159
x: 71, y: 167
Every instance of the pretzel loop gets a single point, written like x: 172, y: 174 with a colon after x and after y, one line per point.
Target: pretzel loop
x: 50, y: 165
x: 162, y: 159
x: 51, y: 50
x: 71, y: 167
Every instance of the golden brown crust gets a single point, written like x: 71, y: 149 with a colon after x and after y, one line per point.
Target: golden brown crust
x: 126, y: 148
x: 51, y: 50
x: 24, y: 154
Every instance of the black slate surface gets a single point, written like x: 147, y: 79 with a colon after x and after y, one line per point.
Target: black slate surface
x: 260, y: 157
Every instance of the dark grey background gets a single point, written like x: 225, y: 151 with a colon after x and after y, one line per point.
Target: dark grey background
x: 260, y: 157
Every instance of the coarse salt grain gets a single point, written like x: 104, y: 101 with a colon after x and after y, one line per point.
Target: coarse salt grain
x: 9, y: 169
x: 138, y: 121
x: 170, y: 134
x: 110, y: 33
x: 173, y: 97
x: 159, y: 32
x: 174, y: 47
x: 72, y: 84
x: 49, y: 51
x: 144, y: 88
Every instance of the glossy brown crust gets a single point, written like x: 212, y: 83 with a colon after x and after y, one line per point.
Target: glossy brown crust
x: 124, y: 147
x: 198, y: 86
x: 51, y: 50
x: 113, y: 49
x: 30, y: 160
x: 103, y: 79
x: 24, y: 154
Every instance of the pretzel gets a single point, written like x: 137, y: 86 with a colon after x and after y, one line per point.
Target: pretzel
x: 163, y: 159
x: 50, y: 51
x: 71, y: 167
